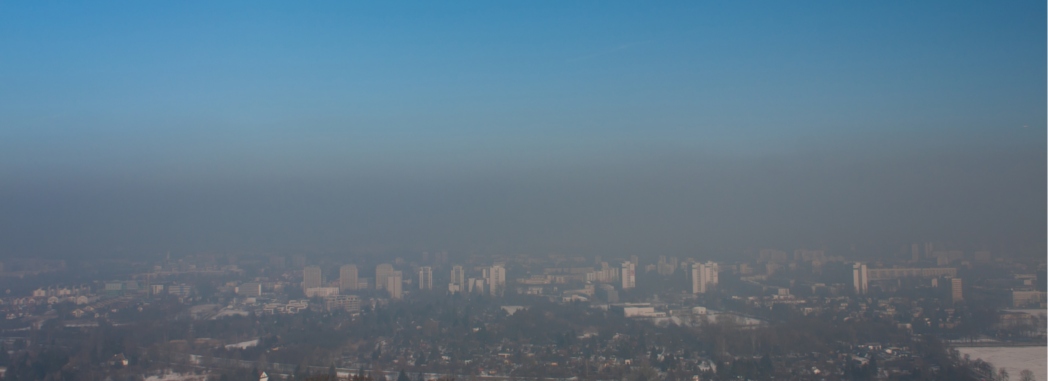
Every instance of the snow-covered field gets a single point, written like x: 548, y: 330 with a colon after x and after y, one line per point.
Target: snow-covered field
x: 1015, y: 359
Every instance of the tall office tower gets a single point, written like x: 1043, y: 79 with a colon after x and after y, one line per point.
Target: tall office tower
x: 347, y: 277
x: 425, y: 278
x: 394, y: 282
x: 497, y: 280
x: 382, y: 273
x: 928, y: 249
x: 298, y: 260
x: 634, y: 260
x: 596, y: 259
x: 859, y: 278
x: 956, y: 290
x: 629, y: 275
x: 915, y: 252
x: 458, y: 276
x: 311, y: 277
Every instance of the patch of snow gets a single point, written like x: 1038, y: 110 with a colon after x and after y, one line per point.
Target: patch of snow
x: 1014, y: 359
x: 243, y: 345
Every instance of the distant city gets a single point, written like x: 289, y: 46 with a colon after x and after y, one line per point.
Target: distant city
x: 456, y: 315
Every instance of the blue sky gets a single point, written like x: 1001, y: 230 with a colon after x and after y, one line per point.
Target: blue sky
x: 173, y: 84
x: 203, y: 94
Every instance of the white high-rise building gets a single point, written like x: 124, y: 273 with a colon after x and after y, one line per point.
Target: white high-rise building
x: 629, y: 275
x: 458, y: 277
x: 311, y: 277
x: 394, y: 282
x: 476, y: 285
x: 425, y: 278
x: 497, y: 280
x: 860, y: 278
x: 704, y: 276
x: 698, y: 284
x: 347, y: 277
x: 382, y: 273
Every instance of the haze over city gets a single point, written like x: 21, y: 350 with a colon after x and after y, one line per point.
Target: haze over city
x: 510, y: 191
x: 518, y: 127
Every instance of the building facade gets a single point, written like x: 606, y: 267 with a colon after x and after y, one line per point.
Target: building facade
x: 629, y: 275
x: 382, y: 273
x: 347, y: 277
x: 497, y: 280
x: 860, y: 278
x: 458, y: 277
x: 425, y: 278
x: 394, y: 282
x: 311, y: 277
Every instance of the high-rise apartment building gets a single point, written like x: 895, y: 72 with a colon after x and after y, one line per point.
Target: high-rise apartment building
x: 298, y: 260
x: 666, y: 267
x: 382, y: 273
x: 956, y: 291
x: 425, y: 278
x: 698, y: 286
x: 915, y: 252
x: 475, y: 285
x: 497, y: 280
x: 712, y: 274
x: 704, y: 276
x: 860, y: 278
x: 629, y: 275
x: 311, y: 277
x: 458, y: 276
x: 347, y: 277
x: 394, y: 282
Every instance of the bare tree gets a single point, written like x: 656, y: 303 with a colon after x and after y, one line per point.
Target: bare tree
x: 1026, y: 375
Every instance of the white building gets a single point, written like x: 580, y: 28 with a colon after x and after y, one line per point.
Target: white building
x: 641, y: 312
x: 382, y: 273
x: 347, y: 277
x: 698, y: 284
x: 425, y: 278
x: 704, y: 276
x: 476, y: 285
x: 497, y: 280
x: 394, y: 283
x: 458, y: 277
x: 629, y: 275
x: 860, y: 278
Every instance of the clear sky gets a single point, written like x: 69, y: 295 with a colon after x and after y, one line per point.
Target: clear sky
x: 133, y: 104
